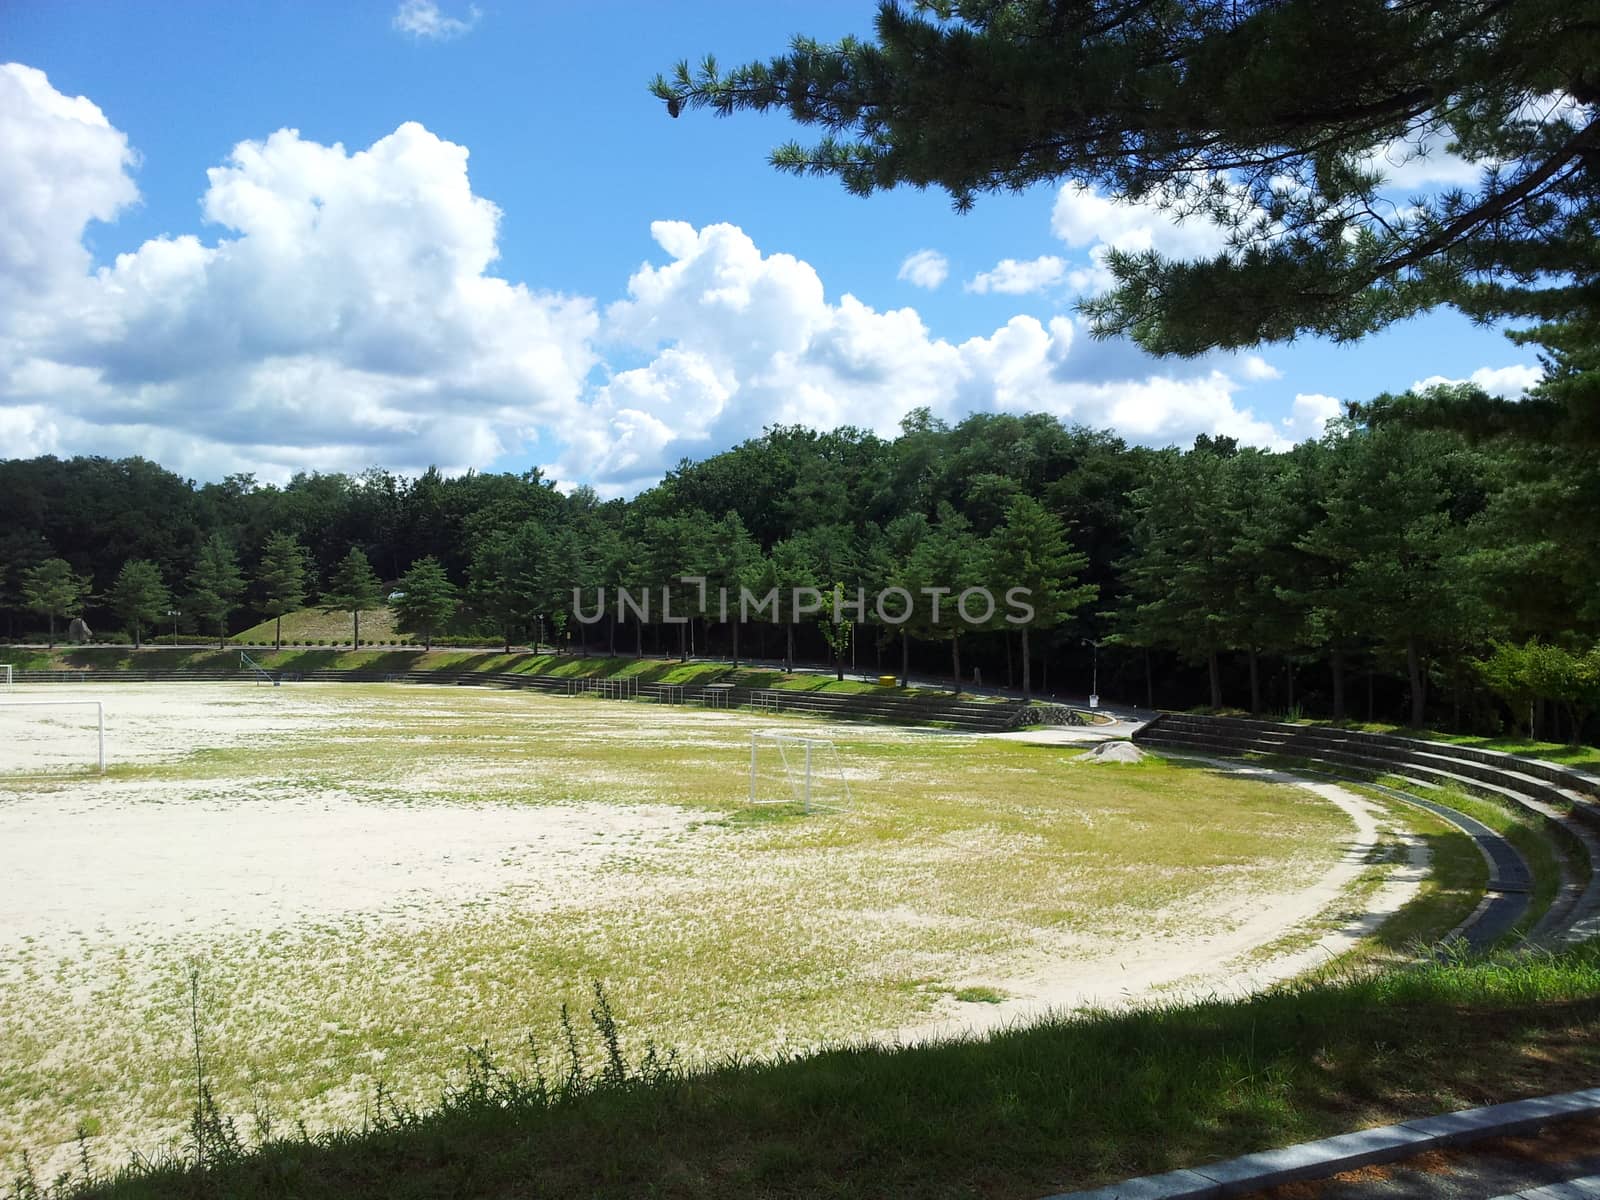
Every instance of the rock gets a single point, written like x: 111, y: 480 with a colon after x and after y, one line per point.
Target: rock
x: 1112, y: 752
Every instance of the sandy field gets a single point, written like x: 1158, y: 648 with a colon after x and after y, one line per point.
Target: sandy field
x: 364, y: 880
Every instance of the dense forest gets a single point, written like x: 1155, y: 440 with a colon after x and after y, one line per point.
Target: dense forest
x: 1384, y: 571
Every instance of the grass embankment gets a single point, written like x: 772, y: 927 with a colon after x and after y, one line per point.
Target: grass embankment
x: 447, y: 661
x: 1059, y: 1105
x: 313, y: 624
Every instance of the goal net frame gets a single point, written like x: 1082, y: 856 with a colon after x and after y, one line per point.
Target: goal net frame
x: 6, y: 674
x: 246, y: 663
x: 802, y: 761
x: 100, y: 721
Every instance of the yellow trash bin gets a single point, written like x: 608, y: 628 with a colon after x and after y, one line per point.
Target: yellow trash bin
x: 888, y: 680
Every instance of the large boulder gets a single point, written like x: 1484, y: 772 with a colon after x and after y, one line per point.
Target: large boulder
x: 79, y: 631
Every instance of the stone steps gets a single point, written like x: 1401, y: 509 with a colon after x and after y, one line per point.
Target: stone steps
x: 1568, y: 799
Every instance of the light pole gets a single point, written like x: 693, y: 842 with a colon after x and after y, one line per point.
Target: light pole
x: 1094, y: 687
x: 174, y: 614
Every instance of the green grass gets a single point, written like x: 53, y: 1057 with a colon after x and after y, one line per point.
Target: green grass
x: 1456, y: 880
x: 313, y: 624
x: 1060, y: 1105
x: 740, y: 933
x: 978, y: 995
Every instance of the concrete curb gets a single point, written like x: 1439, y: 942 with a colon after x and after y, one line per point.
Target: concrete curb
x: 1347, y: 1151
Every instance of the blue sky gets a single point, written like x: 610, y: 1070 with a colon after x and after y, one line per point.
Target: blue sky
x: 640, y: 290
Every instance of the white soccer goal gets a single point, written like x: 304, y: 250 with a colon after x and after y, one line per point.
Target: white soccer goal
x: 33, y: 746
x: 263, y: 676
x: 790, y: 768
x: 5, y: 677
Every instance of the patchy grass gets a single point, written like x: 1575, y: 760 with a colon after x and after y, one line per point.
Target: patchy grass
x: 732, y: 933
x: 1061, y: 1105
x: 978, y: 995
x: 1581, y: 757
x: 313, y: 624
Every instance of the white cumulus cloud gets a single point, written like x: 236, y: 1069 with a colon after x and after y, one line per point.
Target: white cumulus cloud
x: 742, y: 339
x: 1508, y: 382
x: 924, y: 269
x: 343, y: 315
x: 337, y: 309
x: 1309, y: 414
x: 424, y: 20
x: 1015, y: 278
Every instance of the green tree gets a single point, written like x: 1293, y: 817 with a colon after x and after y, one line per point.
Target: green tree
x: 896, y: 567
x: 139, y: 597
x: 281, y: 576
x: 675, y: 547
x: 794, y: 573
x: 20, y: 549
x: 1030, y: 551
x: 425, y: 599
x: 837, y: 633
x: 1535, y: 670
x: 1393, y: 536
x: 1282, y: 123
x: 353, y: 588
x: 215, y: 584
x: 730, y: 552
x: 493, y: 582
x: 947, y: 560
x: 1268, y: 508
x: 54, y: 589
x: 1179, y: 578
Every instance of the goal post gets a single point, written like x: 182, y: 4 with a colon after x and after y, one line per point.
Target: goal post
x: 790, y: 768
x: 246, y: 663
x: 99, y: 722
x: 5, y: 677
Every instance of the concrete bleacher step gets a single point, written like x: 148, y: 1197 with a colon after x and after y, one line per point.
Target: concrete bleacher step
x: 1563, y: 797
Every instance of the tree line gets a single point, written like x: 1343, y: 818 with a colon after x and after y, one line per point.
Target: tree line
x: 1384, y: 570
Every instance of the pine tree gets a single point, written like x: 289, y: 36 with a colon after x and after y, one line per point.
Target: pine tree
x: 947, y: 560
x: 425, y: 599
x: 1030, y: 551
x: 139, y: 596
x: 729, y: 554
x: 281, y: 577
x: 353, y: 589
x: 1393, y: 542
x: 54, y: 589
x: 215, y: 584
x: 793, y: 570
x: 1179, y: 580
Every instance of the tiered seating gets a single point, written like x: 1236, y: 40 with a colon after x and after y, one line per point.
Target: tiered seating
x: 1568, y: 799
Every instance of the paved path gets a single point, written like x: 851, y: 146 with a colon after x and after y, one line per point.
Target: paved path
x: 1562, y: 1163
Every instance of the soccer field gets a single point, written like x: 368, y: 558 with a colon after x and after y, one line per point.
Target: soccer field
x: 367, y: 880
